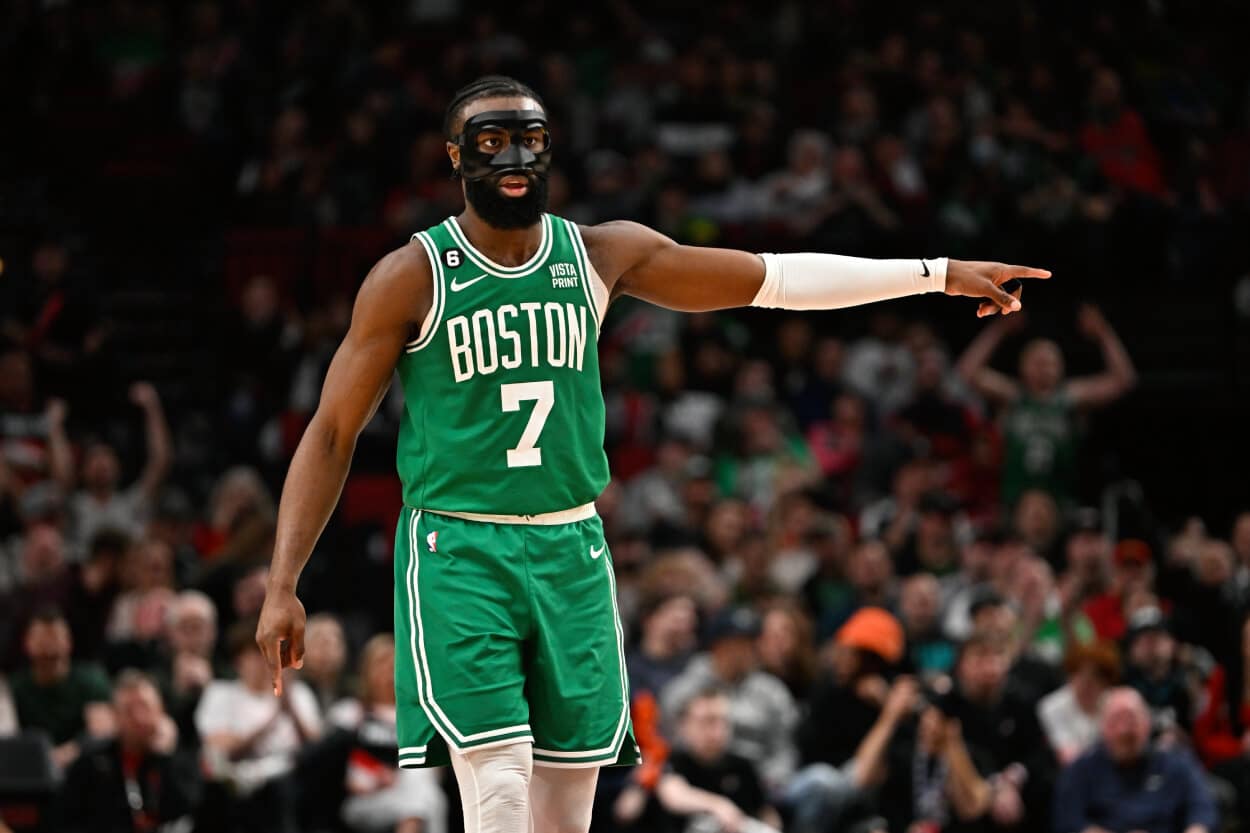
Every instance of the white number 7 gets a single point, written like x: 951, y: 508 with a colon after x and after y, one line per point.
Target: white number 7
x: 544, y: 396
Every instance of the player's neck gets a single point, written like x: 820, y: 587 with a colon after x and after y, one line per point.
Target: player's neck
x: 507, y: 247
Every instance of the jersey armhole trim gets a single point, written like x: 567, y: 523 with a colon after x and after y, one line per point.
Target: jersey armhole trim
x: 596, y: 289
x: 430, y: 325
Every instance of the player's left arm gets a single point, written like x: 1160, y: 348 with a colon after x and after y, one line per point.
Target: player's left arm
x: 638, y: 261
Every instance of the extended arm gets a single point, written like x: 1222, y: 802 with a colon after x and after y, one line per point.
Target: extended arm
x: 1119, y: 375
x: 60, y: 453
x: 394, y: 295
x: 156, y: 432
x: 973, y: 365
x: 635, y: 260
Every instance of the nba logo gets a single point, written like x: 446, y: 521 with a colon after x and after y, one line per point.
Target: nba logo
x: 431, y: 541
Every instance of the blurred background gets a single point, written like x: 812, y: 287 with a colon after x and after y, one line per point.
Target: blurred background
x: 881, y: 569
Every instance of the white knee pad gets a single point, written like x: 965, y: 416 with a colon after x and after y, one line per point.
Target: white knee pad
x: 494, y: 787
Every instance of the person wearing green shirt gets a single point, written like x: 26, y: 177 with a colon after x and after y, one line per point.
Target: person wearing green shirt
x: 1039, y: 410
x: 65, y: 699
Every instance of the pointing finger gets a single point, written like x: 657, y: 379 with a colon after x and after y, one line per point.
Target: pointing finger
x: 1009, y: 272
x: 277, y: 668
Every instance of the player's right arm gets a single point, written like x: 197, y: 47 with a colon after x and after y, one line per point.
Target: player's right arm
x: 395, y: 295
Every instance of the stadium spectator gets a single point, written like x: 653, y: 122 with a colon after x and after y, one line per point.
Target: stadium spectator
x: 240, y: 520
x: 250, y: 739
x: 763, y: 712
x: 1070, y: 715
x: 94, y: 592
x: 1153, y: 667
x: 870, y: 573
x: 1132, y: 576
x: 67, y: 700
x: 101, y: 502
x: 140, y: 610
x: 186, y: 664
x: 1002, y: 733
x: 326, y: 659
x: 1040, y: 408
x: 786, y: 647
x: 707, y: 778
x: 1126, y: 782
x: 132, y: 781
x: 930, y: 653
x: 933, y: 779
x: 666, y: 642
x: 380, y: 795
x: 849, y: 695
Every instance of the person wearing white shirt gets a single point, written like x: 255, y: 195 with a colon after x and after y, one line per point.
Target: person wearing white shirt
x: 250, y: 737
x: 1070, y: 715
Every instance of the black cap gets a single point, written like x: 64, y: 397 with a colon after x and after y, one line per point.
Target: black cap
x: 984, y: 596
x: 733, y: 621
x: 1145, y: 620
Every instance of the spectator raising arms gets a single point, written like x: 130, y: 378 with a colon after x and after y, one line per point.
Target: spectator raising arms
x: 1041, y: 407
x: 101, y: 503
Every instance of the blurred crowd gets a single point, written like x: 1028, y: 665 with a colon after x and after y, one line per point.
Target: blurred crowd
x: 870, y: 578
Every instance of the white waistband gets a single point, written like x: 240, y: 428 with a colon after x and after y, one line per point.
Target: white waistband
x: 564, y: 516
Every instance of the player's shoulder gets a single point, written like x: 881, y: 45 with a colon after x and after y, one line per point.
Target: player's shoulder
x: 405, y: 270
x: 617, y: 231
x: 615, y: 246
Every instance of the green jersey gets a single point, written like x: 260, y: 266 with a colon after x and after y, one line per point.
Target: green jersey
x: 1041, y: 447
x: 503, y: 411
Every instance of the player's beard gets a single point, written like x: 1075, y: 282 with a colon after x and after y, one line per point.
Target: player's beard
x: 503, y: 212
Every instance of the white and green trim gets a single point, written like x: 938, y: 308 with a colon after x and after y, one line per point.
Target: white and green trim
x: 489, y: 266
x: 425, y: 685
x: 432, y: 319
x: 596, y: 290
x: 579, y: 759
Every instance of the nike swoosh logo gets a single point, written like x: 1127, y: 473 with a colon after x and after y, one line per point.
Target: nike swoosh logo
x: 926, y: 267
x: 456, y: 287
x: 595, y: 553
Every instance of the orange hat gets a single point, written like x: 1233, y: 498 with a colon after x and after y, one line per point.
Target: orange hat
x: 873, y: 629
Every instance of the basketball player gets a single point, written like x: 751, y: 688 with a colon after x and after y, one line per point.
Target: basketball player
x: 509, y: 657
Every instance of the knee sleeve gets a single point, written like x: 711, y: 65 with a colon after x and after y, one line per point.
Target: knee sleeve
x: 494, y: 787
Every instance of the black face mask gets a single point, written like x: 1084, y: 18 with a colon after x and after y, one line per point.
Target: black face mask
x: 500, y: 143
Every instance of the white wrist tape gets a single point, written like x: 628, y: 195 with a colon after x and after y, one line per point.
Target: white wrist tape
x: 818, y: 281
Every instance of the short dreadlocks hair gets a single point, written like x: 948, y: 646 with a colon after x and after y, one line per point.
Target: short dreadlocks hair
x: 488, y: 86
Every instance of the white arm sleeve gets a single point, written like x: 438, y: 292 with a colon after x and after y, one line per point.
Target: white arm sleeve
x: 819, y: 281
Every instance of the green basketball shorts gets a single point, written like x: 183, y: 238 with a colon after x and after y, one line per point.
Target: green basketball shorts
x: 508, y: 632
